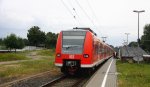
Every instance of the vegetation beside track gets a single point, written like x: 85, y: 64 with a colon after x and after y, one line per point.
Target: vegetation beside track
x: 23, y: 55
x: 50, y: 52
x: 133, y: 74
x: 12, y: 56
x: 27, y: 68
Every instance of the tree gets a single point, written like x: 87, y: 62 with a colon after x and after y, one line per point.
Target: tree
x: 26, y: 42
x: 116, y: 49
x: 133, y: 44
x: 10, y: 41
x: 20, y: 43
x: 35, y: 36
x: 51, y: 39
x: 145, y: 39
x: 42, y: 38
x: 1, y: 41
x: 112, y: 46
x: 13, y: 42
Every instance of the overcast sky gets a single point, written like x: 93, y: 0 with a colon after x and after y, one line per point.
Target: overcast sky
x: 110, y: 18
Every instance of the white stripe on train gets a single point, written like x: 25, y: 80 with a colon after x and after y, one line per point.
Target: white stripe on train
x: 85, y: 65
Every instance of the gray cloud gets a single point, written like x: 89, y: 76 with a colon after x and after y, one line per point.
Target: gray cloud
x: 115, y: 17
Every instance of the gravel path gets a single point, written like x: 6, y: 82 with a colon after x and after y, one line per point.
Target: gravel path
x: 33, y: 81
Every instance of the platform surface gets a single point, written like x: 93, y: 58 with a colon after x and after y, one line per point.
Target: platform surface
x: 106, y: 76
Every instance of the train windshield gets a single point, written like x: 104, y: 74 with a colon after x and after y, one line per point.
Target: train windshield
x: 73, y: 41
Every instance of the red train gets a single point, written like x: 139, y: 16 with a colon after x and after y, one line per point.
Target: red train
x: 80, y: 49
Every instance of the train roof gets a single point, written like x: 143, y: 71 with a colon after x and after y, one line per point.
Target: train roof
x: 82, y: 29
x: 86, y: 29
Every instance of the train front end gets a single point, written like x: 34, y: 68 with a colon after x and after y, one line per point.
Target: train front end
x: 71, y: 55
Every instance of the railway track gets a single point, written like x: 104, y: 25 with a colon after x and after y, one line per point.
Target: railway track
x: 71, y: 81
x: 67, y: 81
x: 32, y: 81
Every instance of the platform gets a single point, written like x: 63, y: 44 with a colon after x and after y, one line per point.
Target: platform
x: 106, y: 76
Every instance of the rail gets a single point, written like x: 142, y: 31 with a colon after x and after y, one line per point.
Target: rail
x: 48, y: 84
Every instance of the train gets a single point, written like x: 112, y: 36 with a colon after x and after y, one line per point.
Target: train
x: 79, y: 49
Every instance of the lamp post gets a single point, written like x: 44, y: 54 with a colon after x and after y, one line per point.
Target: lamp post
x: 138, y: 40
x: 127, y: 37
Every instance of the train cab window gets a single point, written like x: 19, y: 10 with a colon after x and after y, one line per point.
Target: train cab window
x: 72, y: 42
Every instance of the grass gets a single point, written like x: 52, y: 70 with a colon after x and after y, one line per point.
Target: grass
x: 25, y: 68
x: 11, y: 57
x: 23, y: 55
x: 31, y: 67
x: 133, y: 74
x: 47, y: 52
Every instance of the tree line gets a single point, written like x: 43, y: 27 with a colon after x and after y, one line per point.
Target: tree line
x: 35, y: 37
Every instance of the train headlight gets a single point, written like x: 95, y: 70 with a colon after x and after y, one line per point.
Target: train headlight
x: 58, y: 54
x: 85, y: 55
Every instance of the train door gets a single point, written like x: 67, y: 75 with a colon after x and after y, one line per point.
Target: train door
x: 96, y: 51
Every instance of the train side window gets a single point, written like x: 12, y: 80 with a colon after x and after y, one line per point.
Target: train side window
x: 100, y: 48
x: 103, y: 50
